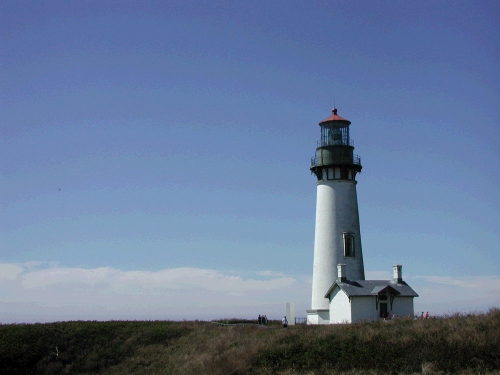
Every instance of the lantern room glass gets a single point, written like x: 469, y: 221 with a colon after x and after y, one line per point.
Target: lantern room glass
x: 335, y: 136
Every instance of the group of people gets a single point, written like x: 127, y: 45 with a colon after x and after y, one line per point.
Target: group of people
x: 422, y: 316
x: 262, y: 319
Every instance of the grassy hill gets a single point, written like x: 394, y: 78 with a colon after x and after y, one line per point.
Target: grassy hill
x: 462, y: 344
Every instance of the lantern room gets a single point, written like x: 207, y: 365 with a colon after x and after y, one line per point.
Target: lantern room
x: 334, y: 157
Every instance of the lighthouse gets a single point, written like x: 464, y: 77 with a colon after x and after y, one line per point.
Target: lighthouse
x: 340, y: 293
x: 337, y: 237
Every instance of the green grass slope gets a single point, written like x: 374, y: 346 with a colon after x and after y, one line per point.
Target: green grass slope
x: 461, y: 344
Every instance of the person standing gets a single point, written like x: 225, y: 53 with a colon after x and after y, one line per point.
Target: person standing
x: 284, y: 321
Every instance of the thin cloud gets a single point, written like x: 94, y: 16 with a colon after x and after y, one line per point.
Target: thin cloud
x: 446, y: 294
x: 10, y: 271
x: 270, y: 273
x: 176, y: 279
x: 464, y: 282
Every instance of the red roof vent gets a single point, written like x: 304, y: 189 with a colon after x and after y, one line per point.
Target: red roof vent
x: 335, y: 118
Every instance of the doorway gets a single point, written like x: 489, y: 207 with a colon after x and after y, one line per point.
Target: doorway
x: 383, y: 309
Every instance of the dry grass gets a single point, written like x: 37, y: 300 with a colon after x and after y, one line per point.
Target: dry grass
x: 461, y: 344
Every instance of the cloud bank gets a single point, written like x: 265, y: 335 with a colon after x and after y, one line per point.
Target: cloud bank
x: 40, y: 292
x: 44, y: 292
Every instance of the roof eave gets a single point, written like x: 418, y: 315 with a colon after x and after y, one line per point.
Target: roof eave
x: 330, y: 290
x: 335, y: 121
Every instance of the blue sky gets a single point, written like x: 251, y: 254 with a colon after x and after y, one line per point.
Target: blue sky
x: 156, y: 156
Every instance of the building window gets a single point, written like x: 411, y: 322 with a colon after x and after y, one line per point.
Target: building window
x: 348, y: 245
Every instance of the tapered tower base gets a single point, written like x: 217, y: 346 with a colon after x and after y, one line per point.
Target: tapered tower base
x: 318, y: 316
x: 337, y: 238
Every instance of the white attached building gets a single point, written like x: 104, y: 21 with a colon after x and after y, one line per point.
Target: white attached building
x: 352, y: 301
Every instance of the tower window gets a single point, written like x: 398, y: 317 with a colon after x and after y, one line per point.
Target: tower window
x: 348, y: 245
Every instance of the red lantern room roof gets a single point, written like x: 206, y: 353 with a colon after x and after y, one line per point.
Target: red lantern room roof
x: 335, y: 118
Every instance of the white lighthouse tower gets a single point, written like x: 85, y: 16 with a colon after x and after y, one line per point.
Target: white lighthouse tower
x: 337, y: 237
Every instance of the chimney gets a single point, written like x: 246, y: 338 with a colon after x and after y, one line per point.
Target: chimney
x: 398, y: 274
x: 341, y: 273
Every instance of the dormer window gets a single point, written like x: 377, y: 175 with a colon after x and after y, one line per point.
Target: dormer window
x: 348, y: 245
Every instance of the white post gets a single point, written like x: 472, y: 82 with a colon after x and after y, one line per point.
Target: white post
x: 290, y: 313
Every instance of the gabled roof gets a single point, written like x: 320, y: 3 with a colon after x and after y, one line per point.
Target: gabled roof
x: 372, y: 288
x: 379, y: 289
